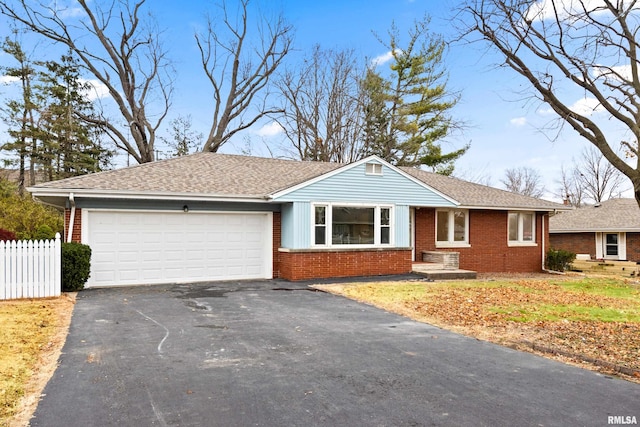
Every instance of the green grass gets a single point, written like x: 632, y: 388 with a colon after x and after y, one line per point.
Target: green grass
x: 606, y: 287
x: 528, y: 300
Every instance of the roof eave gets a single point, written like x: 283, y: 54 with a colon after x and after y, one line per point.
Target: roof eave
x: 145, y: 195
x: 515, y: 208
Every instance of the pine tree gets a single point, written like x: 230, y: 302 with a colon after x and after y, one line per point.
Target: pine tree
x: 70, y: 146
x: 407, y: 113
x: 20, y: 114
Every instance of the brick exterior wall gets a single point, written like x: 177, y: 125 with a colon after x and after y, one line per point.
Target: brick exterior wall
x: 578, y: 243
x: 76, y: 234
x: 585, y: 243
x: 302, y: 265
x: 633, y: 247
x: 489, y: 251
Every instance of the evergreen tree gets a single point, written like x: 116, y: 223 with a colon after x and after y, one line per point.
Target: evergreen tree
x: 20, y: 114
x: 407, y: 113
x: 70, y: 146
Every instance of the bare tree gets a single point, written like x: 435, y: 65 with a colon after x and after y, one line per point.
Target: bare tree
x: 587, y: 45
x: 523, y: 180
x: 240, y: 72
x: 120, y: 50
x: 570, y: 191
x: 592, y: 178
x: 322, y: 115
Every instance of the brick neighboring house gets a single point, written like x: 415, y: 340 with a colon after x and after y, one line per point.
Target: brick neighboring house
x: 608, y: 230
x: 211, y: 216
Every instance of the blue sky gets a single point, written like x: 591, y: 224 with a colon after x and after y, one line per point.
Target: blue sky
x: 503, y: 130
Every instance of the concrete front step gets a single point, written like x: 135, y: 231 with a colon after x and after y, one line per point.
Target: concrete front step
x: 436, y: 271
x: 448, y: 274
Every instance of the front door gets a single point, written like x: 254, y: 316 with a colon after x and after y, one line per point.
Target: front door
x: 611, y: 246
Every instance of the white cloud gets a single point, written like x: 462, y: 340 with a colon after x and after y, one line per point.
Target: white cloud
x: 97, y: 90
x: 518, y: 121
x: 586, y: 106
x: 271, y: 129
x: 613, y: 73
x: 544, y: 9
x: 6, y: 80
x: 382, y: 59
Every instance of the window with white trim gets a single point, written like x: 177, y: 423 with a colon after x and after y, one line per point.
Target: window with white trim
x: 338, y: 225
x: 452, y: 227
x: 522, y: 227
x: 320, y: 225
x: 373, y: 169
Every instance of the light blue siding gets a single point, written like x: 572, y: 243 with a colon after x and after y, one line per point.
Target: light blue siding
x: 286, y: 226
x: 296, y: 225
x: 402, y: 226
x: 353, y: 185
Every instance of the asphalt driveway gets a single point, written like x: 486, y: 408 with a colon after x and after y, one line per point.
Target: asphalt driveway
x: 277, y: 354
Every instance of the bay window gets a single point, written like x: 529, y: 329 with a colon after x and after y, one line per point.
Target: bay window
x: 336, y: 225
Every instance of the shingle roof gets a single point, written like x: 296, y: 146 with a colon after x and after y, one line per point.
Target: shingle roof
x: 202, y: 173
x: 612, y: 215
x: 226, y: 175
x: 470, y: 194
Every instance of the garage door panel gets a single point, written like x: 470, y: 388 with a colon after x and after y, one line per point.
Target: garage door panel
x: 162, y: 247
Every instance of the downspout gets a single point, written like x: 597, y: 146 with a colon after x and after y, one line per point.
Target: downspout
x: 543, y: 242
x: 72, y: 217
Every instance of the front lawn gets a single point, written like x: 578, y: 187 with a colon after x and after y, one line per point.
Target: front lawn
x: 32, y: 335
x: 591, y: 321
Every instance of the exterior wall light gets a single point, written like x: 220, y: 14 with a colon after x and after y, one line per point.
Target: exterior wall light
x: 185, y: 208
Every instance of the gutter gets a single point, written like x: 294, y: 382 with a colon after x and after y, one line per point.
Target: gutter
x: 72, y: 217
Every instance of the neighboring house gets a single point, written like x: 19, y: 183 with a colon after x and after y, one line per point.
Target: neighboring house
x: 212, y: 216
x: 607, y: 230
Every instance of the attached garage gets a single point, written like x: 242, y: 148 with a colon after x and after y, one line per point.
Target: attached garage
x: 150, y: 247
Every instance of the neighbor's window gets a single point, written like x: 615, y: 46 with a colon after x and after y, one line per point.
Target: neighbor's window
x: 452, y: 227
x: 522, y: 227
x: 373, y: 169
x: 352, y: 225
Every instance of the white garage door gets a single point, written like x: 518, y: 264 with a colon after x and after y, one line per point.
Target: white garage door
x: 130, y: 248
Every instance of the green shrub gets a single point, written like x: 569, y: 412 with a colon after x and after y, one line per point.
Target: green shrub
x: 23, y: 215
x: 44, y: 232
x: 76, y: 266
x: 559, y: 259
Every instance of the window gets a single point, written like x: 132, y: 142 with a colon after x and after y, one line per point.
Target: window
x: 452, y: 227
x: 522, y: 227
x: 336, y: 225
x: 373, y: 169
x: 320, y: 225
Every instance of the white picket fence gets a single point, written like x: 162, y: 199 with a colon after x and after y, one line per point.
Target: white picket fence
x: 30, y: 269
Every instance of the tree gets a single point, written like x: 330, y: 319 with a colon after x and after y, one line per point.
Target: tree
x: 69, y: 145
x: 322, y: 115
x: 558, y: 45
x: 592, y: 178
x: 523, y: 180
x: 570, y: 190
x: 240, y: 72
x: 183, y: 139
x: 19, y: 114
x: 23, y: 215
x: 407, y: 113
x: 117, y: 48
